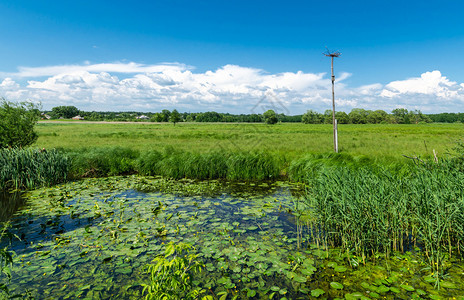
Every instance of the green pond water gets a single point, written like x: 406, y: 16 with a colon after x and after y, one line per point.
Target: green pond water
x: 91, y: 239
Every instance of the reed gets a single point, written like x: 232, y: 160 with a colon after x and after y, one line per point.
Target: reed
x: 308, y: 166
x: 210, y: 165
x: 102, y: 161
x: 368, y: 211
x: 31, y: 168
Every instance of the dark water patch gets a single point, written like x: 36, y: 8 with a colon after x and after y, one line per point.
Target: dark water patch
x: 10, y: 202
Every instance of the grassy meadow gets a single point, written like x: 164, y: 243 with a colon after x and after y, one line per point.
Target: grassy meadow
x: 287, y: 139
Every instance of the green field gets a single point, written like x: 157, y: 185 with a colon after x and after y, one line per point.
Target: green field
x: 288, y: 139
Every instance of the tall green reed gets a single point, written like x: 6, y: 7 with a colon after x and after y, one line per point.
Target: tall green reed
x: 368, y: 211
x: 210, y: 165
x: 32, y: 168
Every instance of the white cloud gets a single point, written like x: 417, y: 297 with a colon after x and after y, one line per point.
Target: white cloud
x: 430, y: 83
x: 118, y: 67
x: 231, y: 88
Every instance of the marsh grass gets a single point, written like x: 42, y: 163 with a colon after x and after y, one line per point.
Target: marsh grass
x: 31, y: 168
x: 300, y: 169
x: 210, y: 165
x: 369, y: 212
x: 101, y: 161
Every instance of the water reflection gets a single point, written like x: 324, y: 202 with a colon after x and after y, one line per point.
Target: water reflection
x: 10, y: 202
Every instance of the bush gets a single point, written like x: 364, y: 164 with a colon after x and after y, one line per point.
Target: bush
x: 17, y: 124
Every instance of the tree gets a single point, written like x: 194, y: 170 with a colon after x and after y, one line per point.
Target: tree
x: 174, y: 117
x: 166, y: 113
x: 358, y: 116
x: 209, y: 116
x: 342, y: 117
x: 270, y: 117
x: 328, y: 119
x: 17, y: 123
x: 66, y: 112
x: 417, y: 117
x: 157, y: 117
x: 401, y: 115
x: 312, y: 117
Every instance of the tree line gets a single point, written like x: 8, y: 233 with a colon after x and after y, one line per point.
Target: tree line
x: 356, y: 116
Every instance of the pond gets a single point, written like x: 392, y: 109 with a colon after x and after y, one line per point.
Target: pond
x: 92, y: 238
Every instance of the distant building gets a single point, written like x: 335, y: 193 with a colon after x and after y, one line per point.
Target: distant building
x: 45, y: 116
x: 142, y: 117
x: 78, y: 118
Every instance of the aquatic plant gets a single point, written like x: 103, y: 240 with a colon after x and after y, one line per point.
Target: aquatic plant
x: 102, y: 161
x: 210, y: 165
x: 171, y: 274
x: 95, y: 243
x: 369, y: 212
x: 32, y: 168
x: 6, y: 261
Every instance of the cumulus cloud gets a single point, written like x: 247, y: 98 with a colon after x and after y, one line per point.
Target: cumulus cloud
x: 231, y: 88
x: 429, y: 83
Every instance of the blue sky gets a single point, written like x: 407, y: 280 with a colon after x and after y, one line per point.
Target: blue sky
x: 229, y: 55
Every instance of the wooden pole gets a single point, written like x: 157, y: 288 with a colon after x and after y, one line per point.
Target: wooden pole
x: 334, y: 122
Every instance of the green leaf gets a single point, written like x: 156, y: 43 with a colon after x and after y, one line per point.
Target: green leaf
x: 336, y: 285
x: 340, y: 269
x: 300, y: 279
x: 317, y: 292
x: 251, y: 293
x: 407, y: 287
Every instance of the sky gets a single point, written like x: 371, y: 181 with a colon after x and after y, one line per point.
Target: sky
x: 233, y: 56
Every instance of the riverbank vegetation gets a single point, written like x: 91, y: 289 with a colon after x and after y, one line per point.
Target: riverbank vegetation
x: 228, y: 151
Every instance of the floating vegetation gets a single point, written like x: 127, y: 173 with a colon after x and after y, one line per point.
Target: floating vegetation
x: 94, y: 238
x: 6, y: 260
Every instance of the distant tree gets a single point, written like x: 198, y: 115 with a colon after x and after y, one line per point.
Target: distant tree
x: 358, y: 116
x: 166, y: 113
x: 270, y: 117
x: 17, y: 123
x: 111, y: 116
x: 66, y: 112
x: 401, y: 115
x: 417, y: 117
x: 254, y: 118
x: 312, y: 117
x: 209, y: 116
x: 376, y: 117
x: 95, y: 116
x: 292, y: 119
x: 191, y: 117
x: 342, y: 117
x: 157, y: 117
x: 174, y: 117
x: 328, y: 116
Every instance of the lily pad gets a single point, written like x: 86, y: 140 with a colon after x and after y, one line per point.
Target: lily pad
x: 336, y: 285
x: 317, y: 292
x: 407, y: 287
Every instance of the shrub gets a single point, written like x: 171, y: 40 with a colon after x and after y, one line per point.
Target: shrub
x: 17, y: 123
